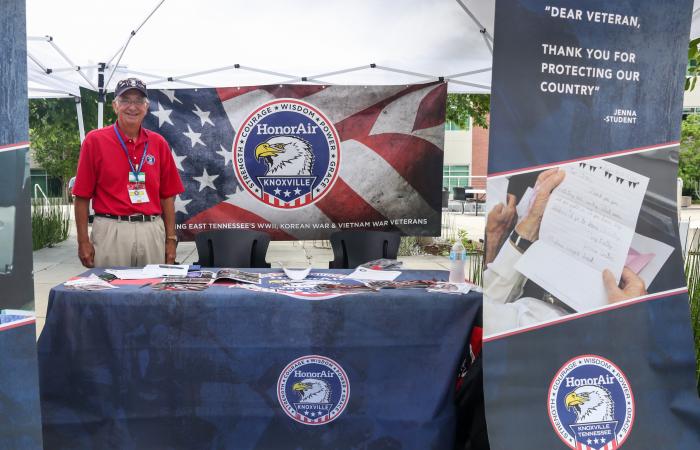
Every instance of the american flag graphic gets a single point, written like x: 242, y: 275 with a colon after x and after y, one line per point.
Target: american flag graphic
x: 598, y: 445
x: 391, y: 152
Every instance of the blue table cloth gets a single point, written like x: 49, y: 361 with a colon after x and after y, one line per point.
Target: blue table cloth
x: 135, y: 368
x: 20, y: 420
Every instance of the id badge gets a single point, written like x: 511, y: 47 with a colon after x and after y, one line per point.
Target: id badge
x: 133, y: 179
x: 137, y: 193
x: 137, y: 188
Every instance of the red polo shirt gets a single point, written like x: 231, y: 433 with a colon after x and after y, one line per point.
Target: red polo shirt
x: 103, y: 171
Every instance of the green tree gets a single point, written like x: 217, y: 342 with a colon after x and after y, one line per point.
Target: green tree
x: 689, y: 158
x: 460, y: 107
x: 54, y: 135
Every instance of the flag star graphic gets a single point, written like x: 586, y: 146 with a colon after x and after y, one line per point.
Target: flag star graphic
x: 277, y: 191
x: 297, y: 191
x: 287, y: 193
x: 602, y: 440
x: 203, y: 115
x: 163, y: 115
x: 171, y: 96
x: 589, y: 442
x: 194, y: 137
x: 226, y: 154
x: 178, y: 160
x: 595, y: 441
x: 180, y: 205
x: 206, y: 180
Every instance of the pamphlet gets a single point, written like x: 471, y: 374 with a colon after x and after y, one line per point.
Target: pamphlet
x: 235, y: 275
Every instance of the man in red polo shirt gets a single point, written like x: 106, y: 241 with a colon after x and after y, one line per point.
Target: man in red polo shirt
x: 131, y: 177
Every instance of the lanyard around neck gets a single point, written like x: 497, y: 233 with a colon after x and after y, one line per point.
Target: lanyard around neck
x: 135, y: 170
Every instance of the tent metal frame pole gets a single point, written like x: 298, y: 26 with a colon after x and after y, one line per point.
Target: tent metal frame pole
x: 471, y: 72
x: 71, y: 63
x: 123, y: 48
x: 195, y: 74
x: 487, y: 42
x: 476, y: 21
x: 159, y: 78
x: 53, y: 80
x: 81, y: 122
x: 315, y: 78
x: 405, y: 72
x: 36, y: 61
x: 100, y: 94
x: 466, y: 83
x: 180, y: 78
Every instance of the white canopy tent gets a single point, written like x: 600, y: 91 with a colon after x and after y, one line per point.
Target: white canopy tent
x: 176, y: 43
x: 173, y: 43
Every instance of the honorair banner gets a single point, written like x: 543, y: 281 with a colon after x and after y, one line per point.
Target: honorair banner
x: 300, y: 162
x: 588, y: 343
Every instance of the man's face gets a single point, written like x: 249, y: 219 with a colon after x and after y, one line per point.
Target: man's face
x: 130, y: 107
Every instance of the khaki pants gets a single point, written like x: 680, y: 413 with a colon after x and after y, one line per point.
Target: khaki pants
x: 134, y: 244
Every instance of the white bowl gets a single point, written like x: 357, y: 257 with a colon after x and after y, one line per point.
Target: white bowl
x: 296, y: 274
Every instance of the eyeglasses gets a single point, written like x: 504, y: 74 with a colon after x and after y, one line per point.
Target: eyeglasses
x: 135, y: 101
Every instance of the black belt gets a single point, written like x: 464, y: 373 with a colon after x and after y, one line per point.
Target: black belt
x: 134, y: 218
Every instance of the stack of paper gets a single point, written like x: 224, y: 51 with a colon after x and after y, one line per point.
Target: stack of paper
x: 91, y: 283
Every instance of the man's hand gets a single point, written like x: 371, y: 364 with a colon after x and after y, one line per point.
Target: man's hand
x: 498, y: 223
x: 631, y: 286
x: 547, y: 181
x: 86, y: 253
x: 170, y: 251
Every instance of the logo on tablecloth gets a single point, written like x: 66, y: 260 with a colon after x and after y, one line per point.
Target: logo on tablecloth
x: 287, y: 153
x: 313, y: 390
x: 590, y: 404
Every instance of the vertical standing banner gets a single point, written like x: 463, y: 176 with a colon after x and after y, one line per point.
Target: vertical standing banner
x: 588, y: 343
x: 301, y: 162
x: 16, y: 284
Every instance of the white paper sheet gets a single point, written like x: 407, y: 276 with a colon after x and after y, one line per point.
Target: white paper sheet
x: 166, y: 270
x: 363, y: 273
x: 129, y: 274
x: 496, y: 192
x: 587, y: 227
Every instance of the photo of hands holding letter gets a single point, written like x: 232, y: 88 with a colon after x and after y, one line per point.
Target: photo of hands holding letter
x: 568, y: 242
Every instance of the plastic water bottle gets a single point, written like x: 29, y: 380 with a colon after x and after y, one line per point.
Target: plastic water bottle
x: 458, y: 256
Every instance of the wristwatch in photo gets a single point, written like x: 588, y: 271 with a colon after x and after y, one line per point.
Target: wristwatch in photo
x: 519, y: 242
x: 171, y: 238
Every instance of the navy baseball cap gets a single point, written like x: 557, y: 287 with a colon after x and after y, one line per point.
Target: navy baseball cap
x: 130, y: 83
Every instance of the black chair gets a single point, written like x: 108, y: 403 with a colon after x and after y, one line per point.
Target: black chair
x: 352, y: 248
x: 232, y: 248
x: 459, y: 195
x: 472, y: 197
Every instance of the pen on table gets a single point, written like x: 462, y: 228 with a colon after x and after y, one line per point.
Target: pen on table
x: 144, y: 285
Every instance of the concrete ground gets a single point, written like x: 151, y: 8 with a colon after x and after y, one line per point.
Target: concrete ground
x: 53, y: 266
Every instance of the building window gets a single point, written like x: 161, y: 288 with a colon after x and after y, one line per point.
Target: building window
x: 453, y: 176
x: 51, y: 186
x: 451, y: 126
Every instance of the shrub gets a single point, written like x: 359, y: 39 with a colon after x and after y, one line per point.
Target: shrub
x: 50, y: 223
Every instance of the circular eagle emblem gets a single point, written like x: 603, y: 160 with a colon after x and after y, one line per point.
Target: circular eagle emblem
x: 590, y: 404
x: 286, y: 153
x: 150, y: 159
x: 313, y: 390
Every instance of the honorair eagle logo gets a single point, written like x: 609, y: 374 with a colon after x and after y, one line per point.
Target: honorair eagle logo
x: 313, y: 390
x: 590, y: 404
x: 287, y: 153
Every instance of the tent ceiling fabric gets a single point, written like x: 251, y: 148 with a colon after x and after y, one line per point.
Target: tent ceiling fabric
x: 291, y: 38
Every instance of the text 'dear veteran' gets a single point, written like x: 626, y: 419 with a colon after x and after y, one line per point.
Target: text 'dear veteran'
x: 129, y: 174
